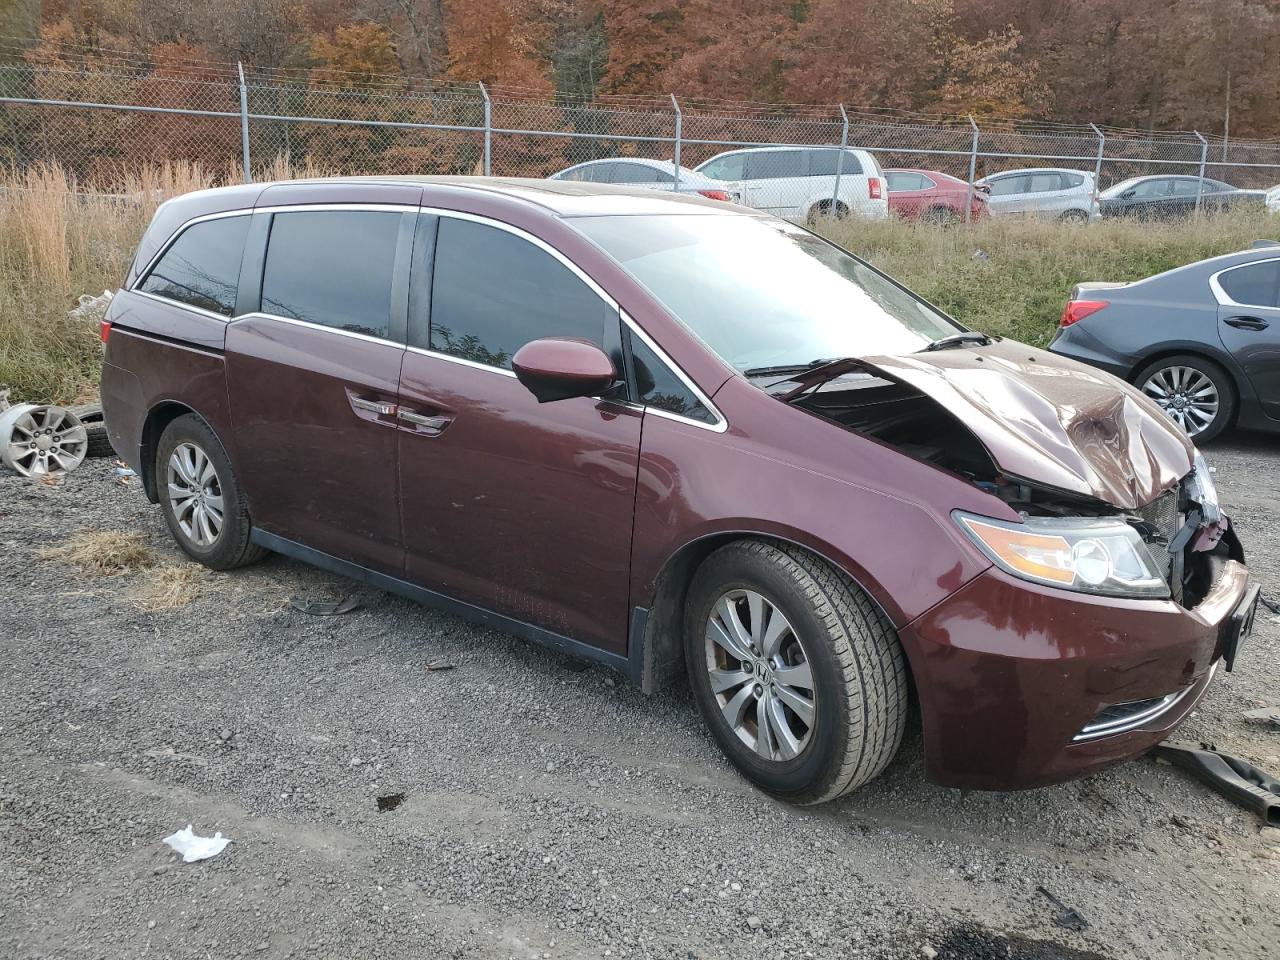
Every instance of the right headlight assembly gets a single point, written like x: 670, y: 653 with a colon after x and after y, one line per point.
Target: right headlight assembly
x: 1088, y: 554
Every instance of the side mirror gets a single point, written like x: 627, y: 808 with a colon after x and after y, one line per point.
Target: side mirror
x: 557, y: 368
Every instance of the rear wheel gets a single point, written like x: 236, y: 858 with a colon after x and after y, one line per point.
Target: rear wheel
x: 1075, y: 217
x: 799, y: 676
x: 823, y: 210
x: 1196, y: 393
x: 201, y: 500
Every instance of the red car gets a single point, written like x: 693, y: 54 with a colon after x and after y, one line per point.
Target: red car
x: 932, y: 197
x: 671, y: 435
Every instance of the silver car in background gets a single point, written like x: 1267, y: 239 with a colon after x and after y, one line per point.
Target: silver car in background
x: 1049, y: 193
x: 652, y: 174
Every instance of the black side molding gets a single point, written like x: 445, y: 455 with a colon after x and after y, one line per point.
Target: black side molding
x: 630, y: 667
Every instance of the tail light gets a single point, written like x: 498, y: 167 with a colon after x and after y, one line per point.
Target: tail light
x: 104, y: 330
x: 873, y: 188
x: 715, y: 194
x: 1077, y: 310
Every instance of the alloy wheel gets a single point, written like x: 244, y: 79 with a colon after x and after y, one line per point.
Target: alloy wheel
x: 38, y: 441
x: 1187, y: 395
x: 195, y: 494
x: 760, y: 675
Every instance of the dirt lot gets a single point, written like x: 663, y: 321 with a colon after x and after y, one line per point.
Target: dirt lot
x: 548, y: 811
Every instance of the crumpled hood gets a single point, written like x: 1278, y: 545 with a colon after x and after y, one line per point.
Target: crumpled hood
x: 1052, y: 420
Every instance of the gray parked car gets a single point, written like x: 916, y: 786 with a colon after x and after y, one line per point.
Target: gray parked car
x: 1048, y: 193
x: 1202, y: 341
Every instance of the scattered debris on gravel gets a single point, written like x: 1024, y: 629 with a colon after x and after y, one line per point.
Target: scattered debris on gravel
x: 542, y: 808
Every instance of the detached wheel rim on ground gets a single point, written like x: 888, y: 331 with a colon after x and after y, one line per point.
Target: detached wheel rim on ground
x: 195, y: 494
x: 40, y: 440
x: 1187, y: 395
x: 760, y: 675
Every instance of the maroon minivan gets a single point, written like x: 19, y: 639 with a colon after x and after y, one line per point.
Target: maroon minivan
x: 672, y: 435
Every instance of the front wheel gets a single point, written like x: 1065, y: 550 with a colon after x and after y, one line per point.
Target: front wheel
x: 1196, y: 393
x: 798, y: 674
x: 1074, y: 218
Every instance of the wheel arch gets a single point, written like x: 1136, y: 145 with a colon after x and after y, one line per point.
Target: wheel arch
x: 158, y: 417
x: 661, y: 639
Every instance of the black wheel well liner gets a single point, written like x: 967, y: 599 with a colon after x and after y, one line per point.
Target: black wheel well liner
x: 663, y: 639
x: 158, y: 417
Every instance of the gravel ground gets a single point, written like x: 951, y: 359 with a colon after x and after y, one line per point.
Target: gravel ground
x: 548, y: 811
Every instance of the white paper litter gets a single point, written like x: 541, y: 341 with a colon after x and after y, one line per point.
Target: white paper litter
x: 195, y: 848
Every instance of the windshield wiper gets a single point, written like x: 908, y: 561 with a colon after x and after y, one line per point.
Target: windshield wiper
x: 788, y: 368
x: 956, y: 340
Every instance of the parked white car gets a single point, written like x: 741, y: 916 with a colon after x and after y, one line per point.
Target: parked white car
x: 799, y: 183
x: 653, y: 174
x: 1049, y: 193
x: 1273, y: 199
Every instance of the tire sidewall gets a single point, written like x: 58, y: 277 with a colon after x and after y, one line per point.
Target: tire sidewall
x: 1215, y: 372
x: 817, y: 764
x: 190, y: 428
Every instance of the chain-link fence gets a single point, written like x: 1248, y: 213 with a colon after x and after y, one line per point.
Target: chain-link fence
x: 99, y: 122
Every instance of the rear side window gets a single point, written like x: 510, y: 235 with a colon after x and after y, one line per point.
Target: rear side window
x: 775, y: 164
x: 1044, y: 182
x: 1257, y: 285
x: 822, y: 163
x: 1005, y: 186
x: 493, y: 292
x: 639, y: 173
x: 660, y: 388
x: 333, y: 268
x: 1070, y: 180
x: 202, y: 267
x: 906, y: 181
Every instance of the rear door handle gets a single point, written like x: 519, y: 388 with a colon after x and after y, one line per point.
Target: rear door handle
x: 431, y: 425
x: 1246, y: 323
x: 380, y: 407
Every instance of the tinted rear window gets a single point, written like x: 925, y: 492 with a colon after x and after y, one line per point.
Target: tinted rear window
x: 202, y: 267
x: 639, y: 173
x: 493, y: 292
x: 822, y: 163
x: 1257, y: 285
x: 332, y: 267
x: 775, y: 164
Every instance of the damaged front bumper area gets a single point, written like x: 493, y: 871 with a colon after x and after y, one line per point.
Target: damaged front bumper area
x: 1098, y: 679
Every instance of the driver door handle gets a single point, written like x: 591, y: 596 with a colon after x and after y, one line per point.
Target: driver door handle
x: 1246, y: 323
x: 432, y: 425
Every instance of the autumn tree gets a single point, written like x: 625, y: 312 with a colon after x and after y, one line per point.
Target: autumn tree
x: 496, y: 42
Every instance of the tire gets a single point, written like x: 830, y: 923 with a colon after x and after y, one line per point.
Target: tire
x: 1074, y: 217
x: 822, y: 210
x: 1190, y: 371
x: 858, y: 686
x: 940, y: 216
x: 197, y: 444
x: 99, y: 443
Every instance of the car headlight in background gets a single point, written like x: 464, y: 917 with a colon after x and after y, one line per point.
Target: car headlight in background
x: 1092, y: 555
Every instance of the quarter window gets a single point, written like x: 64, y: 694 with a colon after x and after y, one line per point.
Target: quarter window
x: 202, y: 267
x: 493, y: 292
x: 333, y: 268
x: 1257, y: 285
x: 659, y: 387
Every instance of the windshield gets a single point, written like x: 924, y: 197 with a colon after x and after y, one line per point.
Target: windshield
x: 1119, y: 188
x: 765, y: 293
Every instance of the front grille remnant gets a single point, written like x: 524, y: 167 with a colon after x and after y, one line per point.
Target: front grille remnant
x: 1162, y: 514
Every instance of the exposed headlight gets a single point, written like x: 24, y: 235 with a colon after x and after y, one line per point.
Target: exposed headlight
x: 1092, y: 555
x: 1202, y: 489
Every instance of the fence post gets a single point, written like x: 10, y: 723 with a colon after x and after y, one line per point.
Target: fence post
x: 844, y: 143
x: 1097, y: 164
x: 488, y: 131
x: 675, y: 105
x: 1204, y: 156
x: 244, y: 124
x: 973, y: 169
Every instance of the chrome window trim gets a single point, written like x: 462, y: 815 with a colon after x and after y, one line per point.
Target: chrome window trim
x: 368, y: 338
x: 1219, y: 294
x: 720, y: 426
x: 201, y: 311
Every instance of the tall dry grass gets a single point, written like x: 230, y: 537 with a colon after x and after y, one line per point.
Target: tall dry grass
x: 1003, y: 276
